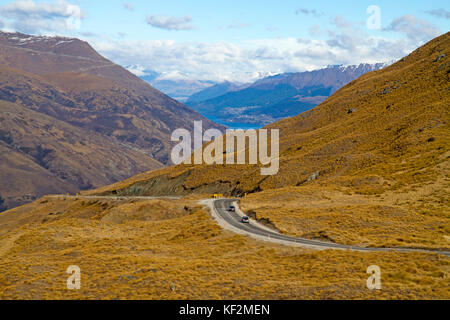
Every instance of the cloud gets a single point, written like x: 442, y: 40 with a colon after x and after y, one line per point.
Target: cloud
x: 137, y: 70
x: 31, y: 17
x: 271, y: 28
x: 89, y: 34
x: 440, y: 13
x: 128, y: 6
x: 238, y: 25
x: 249, y: 60
x: 341, y: 22
x: 415, y: 29
x: 170, y: 23
x: 308, y: 12
x: 314, y: 30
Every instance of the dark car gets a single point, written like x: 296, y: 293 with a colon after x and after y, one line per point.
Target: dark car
x: 232, y: 209
x: 245, y: 219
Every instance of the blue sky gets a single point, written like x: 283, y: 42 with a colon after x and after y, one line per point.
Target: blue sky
x: 233, y: 40
x: 235, y: 20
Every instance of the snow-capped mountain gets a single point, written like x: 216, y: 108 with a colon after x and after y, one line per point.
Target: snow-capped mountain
x: 283, y: 95
x: 176, y: 86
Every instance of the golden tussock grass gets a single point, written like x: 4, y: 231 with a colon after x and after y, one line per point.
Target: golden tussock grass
x: 174, y: 250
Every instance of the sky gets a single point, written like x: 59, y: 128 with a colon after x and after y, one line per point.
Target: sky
x: 234, y: 40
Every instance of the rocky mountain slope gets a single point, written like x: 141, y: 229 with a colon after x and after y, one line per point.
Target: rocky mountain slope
x: 273, y: 98
x: 76, y: 118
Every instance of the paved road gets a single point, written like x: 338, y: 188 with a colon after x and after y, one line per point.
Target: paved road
x: 234, y: 219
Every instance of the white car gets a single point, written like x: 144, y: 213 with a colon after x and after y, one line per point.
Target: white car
x: 245, y: 219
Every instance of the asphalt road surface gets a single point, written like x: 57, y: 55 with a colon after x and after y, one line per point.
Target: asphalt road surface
x: 234, y: 219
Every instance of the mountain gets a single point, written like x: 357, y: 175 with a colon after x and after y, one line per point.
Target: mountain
x: 145, y: 74
x: 181, y: 89
x: 370, y: 165
x: 214, y: 91
x: 178, y: 89
x: 277, y: 97
x: 184, y: 90
x: 71, y: 119
x: 367, y: 167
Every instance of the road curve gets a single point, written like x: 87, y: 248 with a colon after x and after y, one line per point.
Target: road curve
x: 233, y: 219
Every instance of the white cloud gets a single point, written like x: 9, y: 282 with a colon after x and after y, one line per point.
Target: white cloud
x: 308, y: 12
x: 174, y: 75
x: 415, y: 29
x: 249, y: 60
x: 32, y: 17
x: 137, y: 70
x: 241, y: 61
x: 271, y: 28
x: 341, y: 22
x: 128, y: 6
x: 440, y: 13
x: 314, y: 30
x: 170, y: 23
x: 238, y: 25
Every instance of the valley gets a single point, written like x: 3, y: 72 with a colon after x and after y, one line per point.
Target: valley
x: 88, y: 180
x: 356, y: 171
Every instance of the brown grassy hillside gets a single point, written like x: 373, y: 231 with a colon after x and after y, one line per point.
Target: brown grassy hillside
x: 111, y: 124
x: 41, y: 155
x: 383, y: 138
x: 158, y: 249
x: 67, y: 79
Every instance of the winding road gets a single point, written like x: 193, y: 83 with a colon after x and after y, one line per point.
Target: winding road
x: 232, y: 222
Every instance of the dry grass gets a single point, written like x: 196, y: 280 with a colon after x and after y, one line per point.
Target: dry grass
x: 174, y: 250
x: 383, y: 180
x: 389, y: 219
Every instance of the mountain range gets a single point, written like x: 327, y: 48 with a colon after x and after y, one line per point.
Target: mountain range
x: 367, y: 168
x: 273, y: 98
x: 179, y: 89
x: 71, y: 119
x: 215, y: 91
